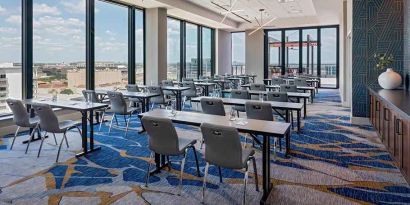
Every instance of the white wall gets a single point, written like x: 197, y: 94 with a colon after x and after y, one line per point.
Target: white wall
x: 223, y: 53
x: 254, y: 54
x: 346, y: 61
x: 156, y: 45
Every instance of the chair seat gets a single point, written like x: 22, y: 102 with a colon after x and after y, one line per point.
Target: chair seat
x: 246, y: 153
x: 184, y: 143
x: 67, y: 124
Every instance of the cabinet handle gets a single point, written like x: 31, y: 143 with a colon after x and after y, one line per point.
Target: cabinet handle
x: 397, y: 126
x: 385, y: 114
x: 377, y: 105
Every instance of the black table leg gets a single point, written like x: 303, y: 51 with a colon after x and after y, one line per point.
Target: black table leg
x: 266, y: 169
x: 160, y: 163
x: 287, y: 139
x: 206, y: 90
x: 178, y: 100
x: 298, y: 113
x: 287, y: 116
x: 304, y: 108
x: 84, y: 135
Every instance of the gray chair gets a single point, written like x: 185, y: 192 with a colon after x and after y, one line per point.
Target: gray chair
x: 187, y: 79
x: 278, y: 81
x: 167, y: 83
x: 92, y: 96
x: 164, y: 140
x: 239, y: 94
x: 160, y: 100
x: 133, y: 88
x: 258, y: 87
x: 50, y: 123
x: 259, y: 110
x: 288, y: 88
x: 119, y: 107
x: 301, y: 82
x: 279, y: 97
x: 223, y: 149
x: 212, y: 106
x: 191, y: 93
x: 22, y: 119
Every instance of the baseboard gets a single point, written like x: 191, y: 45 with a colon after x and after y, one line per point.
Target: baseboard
x: 360, y: 121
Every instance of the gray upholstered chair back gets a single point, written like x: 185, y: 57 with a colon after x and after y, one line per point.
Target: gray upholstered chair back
x: 167, y: 83
x: 91, y: 93
x: 288, y: 88
x: 259, y: 87
x: 222, y: 146
x: 163, y: 138
x: 132, y: 88
x: 157, y: 90
x: 192, y: 88
x: 259, y: 110
x: 301, y: 82
x: 118, y: 104
x: 20, y: 115
x: 240, y: 94
x: 48, y: 119
x: 277, y: 96
x: 212, y: 106
x: 187, y: 79
x: 278, y: 81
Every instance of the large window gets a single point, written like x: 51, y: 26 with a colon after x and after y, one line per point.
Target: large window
x: 111, y: 45
x: 191, y: 53
x: 174, y: 49
x: 10, y: 52
x: 238, y: 53
x: 314, y: 53
x: 139, y: 46
x: 206, y: 52
x: 275, y: 53
x: 58, y: 48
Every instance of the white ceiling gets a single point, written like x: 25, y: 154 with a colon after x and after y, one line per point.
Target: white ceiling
x: 287, y: 13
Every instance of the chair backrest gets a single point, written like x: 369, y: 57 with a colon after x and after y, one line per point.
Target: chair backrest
x: 20, y: 115
x: 301, y: 82
x: 240, y: 94
x: 189, y: 84
x: 91, y: 94
x: 187, y: 79
x: 48, y: 119
x: 118, y: 104
x: 167, y: 83
x: 288, y: 88
x: 212, y: 106
x: 157, y: 90
x: 163, y: 138
x: 259, y: 87
x: 132, y: 88
x: 278, y: 81
x: 222, y: 146
x: 259, y: 110
x: 277, y: 96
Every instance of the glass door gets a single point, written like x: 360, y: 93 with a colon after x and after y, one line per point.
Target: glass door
x: 292, y: 52
x: 328, y: 57
x: 274, y: 53
x: 309, y: 52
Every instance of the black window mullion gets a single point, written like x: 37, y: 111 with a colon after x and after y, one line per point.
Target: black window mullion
x: 199, y: 48
x: 283, y: 44
x: 27, y: 48
x: 183, y: 52
x: 90, y: 44
x: 213, y: 52
x: 319, y: 61
x: 300, y: 51
x: 144, y: 63
x: 131, y: 45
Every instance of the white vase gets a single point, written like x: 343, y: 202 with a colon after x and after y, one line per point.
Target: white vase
x: 390, y: 79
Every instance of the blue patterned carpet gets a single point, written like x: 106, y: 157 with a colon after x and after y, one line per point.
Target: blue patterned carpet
x: 332, y: 162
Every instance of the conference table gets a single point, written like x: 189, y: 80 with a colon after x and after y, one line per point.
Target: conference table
x: 267, y: 129
x: 143, y: 97
x: 296, y: 95
x: 176, y: 90
x: 311, y: 89
x: 287, y: 106
x: 86, y: 109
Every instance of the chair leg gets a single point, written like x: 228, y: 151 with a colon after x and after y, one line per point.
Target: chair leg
x: 41, y: 146
x: 196, y: 160
x: 128, y: 124
x: 66, y: 140
x: 59, y: 148
x: 149, y: 168
x: 256, y: 173
x: 55, y: 139
x: 101, y: 121
x: 31, y: 136
x: 204, y: 182
x: 116, y: 120
x: 245, y: 180
x: 14, y: 138
x: 112, y: 119
x: 182, y: 172
x: 220, y: 174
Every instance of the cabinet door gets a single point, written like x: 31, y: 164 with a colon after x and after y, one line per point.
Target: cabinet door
x: 405, y: 132
x: 398, y: 139
x: 377, y: 115
x: 392, y: 133
x: 385, y: 134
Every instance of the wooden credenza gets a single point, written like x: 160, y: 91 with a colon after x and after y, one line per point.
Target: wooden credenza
x: 390, y: 116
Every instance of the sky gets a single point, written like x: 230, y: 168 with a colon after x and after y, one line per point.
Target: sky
x: 59, y: 31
